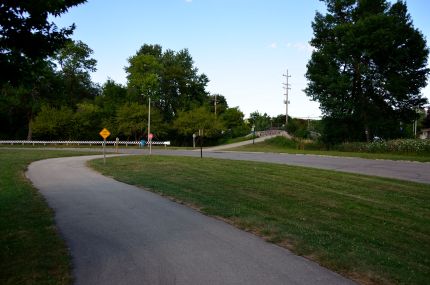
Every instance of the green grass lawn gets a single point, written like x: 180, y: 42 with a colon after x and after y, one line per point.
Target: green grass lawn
x: 31, y: 251
x: 373, y: 230
x: 268, y: 147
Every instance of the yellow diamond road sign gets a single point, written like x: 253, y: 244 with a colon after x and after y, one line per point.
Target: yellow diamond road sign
x: 104, y: 133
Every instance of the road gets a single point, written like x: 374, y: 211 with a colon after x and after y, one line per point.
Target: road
x: 119, y: 234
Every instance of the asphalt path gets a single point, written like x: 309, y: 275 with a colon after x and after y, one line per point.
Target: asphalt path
x: 120, y: 234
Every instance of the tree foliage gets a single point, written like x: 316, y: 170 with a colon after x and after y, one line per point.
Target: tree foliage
x: 132, y: 121
x: 54, y: 123
x: 169, y: 77
x: 190, y: 122
x: 75, y: 63
x: 234, y: 122
x: 63, y: 103
x: 368, y: 66
x: 28, y: 42
x: 28, y: 36
x: 261, y: 122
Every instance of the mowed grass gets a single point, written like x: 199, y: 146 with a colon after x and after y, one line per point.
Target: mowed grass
x: 31, y: 250
x: 268, y: 147
x: 373, y: 230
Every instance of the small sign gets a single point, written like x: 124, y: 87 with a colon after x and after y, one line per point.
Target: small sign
x: 150, y: 136
x: 104, y: 133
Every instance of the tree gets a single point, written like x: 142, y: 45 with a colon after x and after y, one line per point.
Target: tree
x: 132, y: 121
x: 87, y: 121
x: 19, y: 104
x: 234, y: 123
x: 54, y: 123
x: 76, y: 64
x: 368, y: 66
x: 425, y: 124
x: 27, y: 36
x: 169, y: 78
x: 298, y: 127
x: 190, y: 122
x: 27, y: 41
x: 221, y: 103
x: 261, y: 122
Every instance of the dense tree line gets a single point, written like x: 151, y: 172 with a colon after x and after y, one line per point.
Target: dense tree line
x: 46, y: 90
x: 367, y: 70
x: 69, y: 106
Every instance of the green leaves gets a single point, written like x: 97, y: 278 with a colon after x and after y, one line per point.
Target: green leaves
x: 169, y: 77
x: 369, y: 65
x: 27, y: 35
x: 192, y: 121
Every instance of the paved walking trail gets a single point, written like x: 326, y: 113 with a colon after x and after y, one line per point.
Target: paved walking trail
x: 119, y: 234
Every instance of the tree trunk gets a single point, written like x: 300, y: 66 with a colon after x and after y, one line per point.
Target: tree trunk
x: 366, y: 131
x: 30, y: 128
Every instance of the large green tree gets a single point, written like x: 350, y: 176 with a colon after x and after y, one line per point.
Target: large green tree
x: 168, y: 77
x: 28, y: 39
x: 27, y: 35
x: 368, y: 67
x: 76, y: 64
x: 234, y: 123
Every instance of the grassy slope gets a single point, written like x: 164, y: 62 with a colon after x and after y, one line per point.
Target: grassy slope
x: 267, y: 147
x: 372, y: 229
x: 31, y: 251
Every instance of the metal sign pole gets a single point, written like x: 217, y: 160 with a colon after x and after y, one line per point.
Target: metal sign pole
x: 104, y: 151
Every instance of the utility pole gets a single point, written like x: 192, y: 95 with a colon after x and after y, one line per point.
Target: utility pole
x: 286, y: 101
x: 149, y: 125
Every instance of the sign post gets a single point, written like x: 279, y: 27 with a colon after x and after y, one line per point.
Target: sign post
x: 194, y: 140
x: 104, y: 134
x: 150, y: 136
x: 201, y: 142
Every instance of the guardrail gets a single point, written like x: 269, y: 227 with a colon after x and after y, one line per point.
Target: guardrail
x: 90, y: 143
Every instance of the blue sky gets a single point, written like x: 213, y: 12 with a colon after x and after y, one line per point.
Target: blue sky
x: 243, y: 46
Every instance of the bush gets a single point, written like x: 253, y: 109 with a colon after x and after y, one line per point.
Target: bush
x: 283, y: 142
x: 415, y: 146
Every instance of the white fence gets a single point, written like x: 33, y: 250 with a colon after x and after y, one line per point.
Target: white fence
x: 90, y: 143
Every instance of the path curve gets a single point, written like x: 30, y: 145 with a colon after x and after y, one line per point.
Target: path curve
x: 120, y: 234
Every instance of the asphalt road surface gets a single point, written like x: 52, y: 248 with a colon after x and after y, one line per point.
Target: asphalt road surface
x: 119, y: 234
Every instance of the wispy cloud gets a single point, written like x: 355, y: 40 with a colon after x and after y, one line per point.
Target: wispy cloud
x: 273, y: 45
x: 300, y: 46
x: 188, y: 1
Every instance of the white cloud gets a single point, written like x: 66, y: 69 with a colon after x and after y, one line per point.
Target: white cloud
x: 188, y: 1
x: 273, y: 45
x: 300, y: 46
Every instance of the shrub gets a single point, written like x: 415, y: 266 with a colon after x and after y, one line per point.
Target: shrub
x: 415, y: 146
x: 283, y: 142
